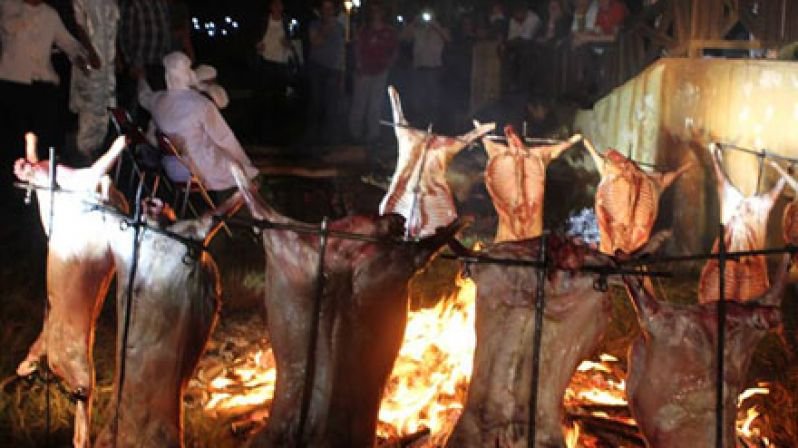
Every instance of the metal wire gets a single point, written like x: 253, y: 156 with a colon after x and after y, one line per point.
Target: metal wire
x: 46, y: 370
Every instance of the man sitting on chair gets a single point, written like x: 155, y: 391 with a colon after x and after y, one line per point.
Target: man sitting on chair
x: 194, y: 124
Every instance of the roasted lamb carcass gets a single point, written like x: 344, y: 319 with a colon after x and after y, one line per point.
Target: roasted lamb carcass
x: 576, y: 314
x: 174, y: 306
x: 516, y: 177
x: 627, y: 200
x: 79, y: 271
x: 418, y: 190
x: 363, y: 312
x: 673, y: 364
x: 789, y: 220
x: 745, y: 221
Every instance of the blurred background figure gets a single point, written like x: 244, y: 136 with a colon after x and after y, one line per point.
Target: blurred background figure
x: 429, y: 38
x: 275, y: 51
x: 518, y: 50
x: 549, y: 46
x: 145, y: 36
x: 376, y: 45
x: 497, y: 21
x: 93, y: 92
x: 458, y: 59
x: 326, y: 75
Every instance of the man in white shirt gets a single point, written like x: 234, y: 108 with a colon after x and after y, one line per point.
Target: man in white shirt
x: 193, y: 123
x: 518, y: 50
x: 28, y: 83
x: 274, y: 49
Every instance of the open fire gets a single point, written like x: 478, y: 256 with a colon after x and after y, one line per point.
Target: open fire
x: 428, y: 386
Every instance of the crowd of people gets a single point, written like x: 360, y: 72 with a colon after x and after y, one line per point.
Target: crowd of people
x: 341, y: 63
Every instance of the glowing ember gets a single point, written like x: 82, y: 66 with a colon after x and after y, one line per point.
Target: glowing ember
x: 428, y: 384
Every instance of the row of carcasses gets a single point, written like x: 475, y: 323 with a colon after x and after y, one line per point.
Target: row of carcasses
x: 359, y: 324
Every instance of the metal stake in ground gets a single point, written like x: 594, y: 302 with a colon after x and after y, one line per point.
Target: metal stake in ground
x: 131, y: 278
x: 540, y: 298
x: 46, y: 369
x: 721, y: 305
x: 310, y: 365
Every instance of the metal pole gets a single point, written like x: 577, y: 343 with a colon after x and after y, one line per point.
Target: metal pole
x: 46, y: 370
x: 540, y: 298
x: 310, y: 370
x: 128, y: 306
x: 721, y: 338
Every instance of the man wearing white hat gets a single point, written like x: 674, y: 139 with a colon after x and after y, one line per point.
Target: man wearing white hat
x: 194, y: 124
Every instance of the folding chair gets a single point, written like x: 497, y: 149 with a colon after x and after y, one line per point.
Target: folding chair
x: 192, y: 185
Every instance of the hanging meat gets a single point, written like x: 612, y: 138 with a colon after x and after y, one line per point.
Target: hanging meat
x: 789, y: 221
x: 627, y: 200
x: 745, y: 221
x: 497, y: 409
x: 79, y: 271
x: 419, y: 191
x: 516, y: 177
x: 174, y: 305
x: 673, y: 365
x: 363, y: 311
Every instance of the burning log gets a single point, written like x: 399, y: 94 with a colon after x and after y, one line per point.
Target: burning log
x: 672, y: 365
x: 175, y: 299
x: 497, y: 411
x: 79, y: 271
x: 361, y: 318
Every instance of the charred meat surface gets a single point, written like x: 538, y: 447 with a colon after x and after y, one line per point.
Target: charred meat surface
x: 175, y: 304
x: 672, y: 365
x: 363, y: 312
x: 497, y: 408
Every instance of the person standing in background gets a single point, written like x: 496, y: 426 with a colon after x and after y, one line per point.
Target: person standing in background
x: 326, y: 72
x: 274, y: 49
x: 518, y: 49
x: 180, y: 28
x: 375, y: 51
x: 28, y: 83
x: 429, y: 39
x: 93, y: 92
x: 145, y: 37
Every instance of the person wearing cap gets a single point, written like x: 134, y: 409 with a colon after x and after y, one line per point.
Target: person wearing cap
x: 194, y: 124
